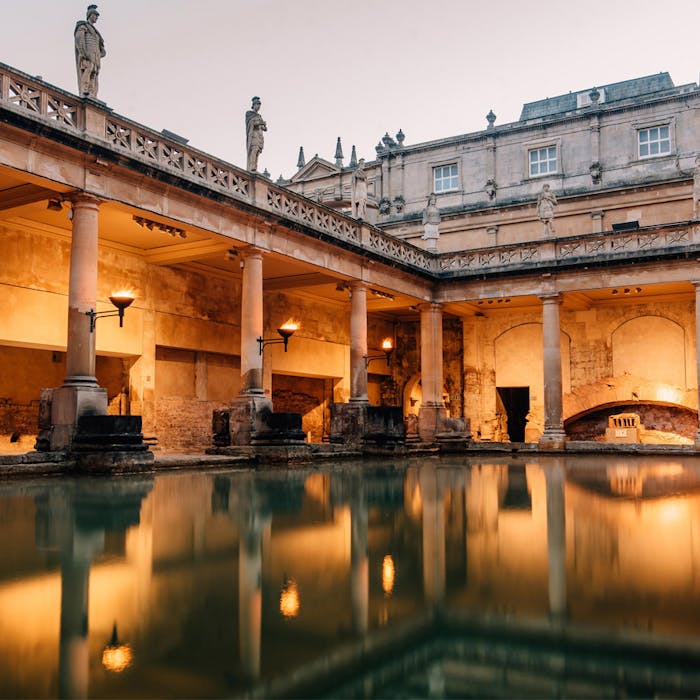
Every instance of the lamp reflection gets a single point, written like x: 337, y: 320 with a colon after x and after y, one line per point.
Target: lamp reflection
x: 116, y: 657
x: 289, y: 599
x: 388, y: 575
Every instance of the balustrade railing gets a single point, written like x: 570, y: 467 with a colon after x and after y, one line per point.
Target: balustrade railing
x: 572, y: 249
x: 32, y: 95
x: 311, y: 214
x: 25, y: 93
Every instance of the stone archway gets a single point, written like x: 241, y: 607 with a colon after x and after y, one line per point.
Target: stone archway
x: 413, y: 396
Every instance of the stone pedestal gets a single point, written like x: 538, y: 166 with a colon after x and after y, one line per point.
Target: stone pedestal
x: 362, y: 424
x: 68, y: 403
x: 430, y: 419
x: 553, y: 440
x: 248, y: 418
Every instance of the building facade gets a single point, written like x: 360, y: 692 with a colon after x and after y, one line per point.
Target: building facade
x: 530, y: 317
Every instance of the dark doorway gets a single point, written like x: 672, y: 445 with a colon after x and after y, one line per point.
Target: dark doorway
x: 516, y: 401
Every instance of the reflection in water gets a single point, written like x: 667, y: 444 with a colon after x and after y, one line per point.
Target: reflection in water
x: 388, y: 574
x: 116, y: 656
x: 289, y: 598
x: 570, y: 576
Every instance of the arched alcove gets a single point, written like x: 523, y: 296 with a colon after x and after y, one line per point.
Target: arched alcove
x: 651, y: 347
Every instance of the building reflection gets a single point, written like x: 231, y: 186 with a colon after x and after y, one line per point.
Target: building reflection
x: 225, y: 582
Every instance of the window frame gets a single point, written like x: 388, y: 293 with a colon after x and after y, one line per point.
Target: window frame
x: 457, y: 177
x: 651, y: 123
x: 658, y: 141
x: 544, y: 147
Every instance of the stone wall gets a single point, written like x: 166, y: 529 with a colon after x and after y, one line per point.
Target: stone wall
x: 612, y: 353
x: 307, y: 396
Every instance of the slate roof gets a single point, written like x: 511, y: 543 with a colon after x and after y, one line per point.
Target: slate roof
x: 614, y: 92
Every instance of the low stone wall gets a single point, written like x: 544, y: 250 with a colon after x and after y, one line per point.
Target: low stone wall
x: 184, y: 425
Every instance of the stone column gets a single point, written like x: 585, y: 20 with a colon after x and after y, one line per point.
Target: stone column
x: 432, y: 410
x: 696, y: 284
x: 251, y: 322
x: 80, y: 394
x: 554, y: 435
x: 555, y: 480
x: 82, y: 293
x: 358, y: 342
x: 248, y: 412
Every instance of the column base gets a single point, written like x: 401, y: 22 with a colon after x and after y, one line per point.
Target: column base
x: 431, y: 418
x: 552, y: 440
x: 348, y: 422
x: 68, y: 403
x: 248, y: 416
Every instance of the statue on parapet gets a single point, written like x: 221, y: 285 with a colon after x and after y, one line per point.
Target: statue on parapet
x: 254, y: 137
x: 431, y: 222
x: 546, y: 206
x: 89, y: 51
x: 359, y: 191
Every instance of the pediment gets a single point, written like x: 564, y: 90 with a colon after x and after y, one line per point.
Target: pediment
x: 314, y: 169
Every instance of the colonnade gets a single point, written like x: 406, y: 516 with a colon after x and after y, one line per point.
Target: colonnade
x: 80, y: 393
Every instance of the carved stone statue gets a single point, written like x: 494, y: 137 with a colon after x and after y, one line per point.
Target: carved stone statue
x: 254, y: 138
x: 696, y: 189
x: 359, y: 191
x: 89, y: 50
x: 546, y: 205
x: 490, y: 189
x: 431, y: 222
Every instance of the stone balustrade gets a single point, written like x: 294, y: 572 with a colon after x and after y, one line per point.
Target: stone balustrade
x: 570, y: 251
x: 86, y: 117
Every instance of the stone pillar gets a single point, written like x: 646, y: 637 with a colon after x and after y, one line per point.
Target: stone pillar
x: 358, y: 342
x: 251, y: 322
x: 80, y: 394
x: 696, y: 284
x: 249, y: 411
x: 82, y: 293
x: 555, y: 480
x: 432, y: 410
x: 554, y: 435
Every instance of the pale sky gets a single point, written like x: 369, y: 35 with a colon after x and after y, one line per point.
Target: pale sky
x: 351, y: 68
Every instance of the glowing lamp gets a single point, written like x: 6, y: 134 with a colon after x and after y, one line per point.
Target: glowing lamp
x: 120, y: 300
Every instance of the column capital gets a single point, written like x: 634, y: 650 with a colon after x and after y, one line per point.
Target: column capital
x: 550, y: 298
x: 251, y: 251
x: 695, y: 283
x: 84, y: 199
x: 429, y: 306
